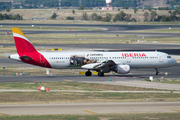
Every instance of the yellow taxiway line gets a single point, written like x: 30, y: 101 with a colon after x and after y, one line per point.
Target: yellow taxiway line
x: 175, y: 110
x: 2, y: 114
x: 89, y: 111
x: 68, y: 80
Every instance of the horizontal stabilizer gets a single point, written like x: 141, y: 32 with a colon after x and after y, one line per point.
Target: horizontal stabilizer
x: 25, y: 58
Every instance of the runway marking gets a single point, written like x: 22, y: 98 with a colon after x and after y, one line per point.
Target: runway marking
x: 70, y: 45
x: 89, y: 111
x: 68, y: 80
x: 175, y: 110
x: 121, y: 77
x: 2, y: 114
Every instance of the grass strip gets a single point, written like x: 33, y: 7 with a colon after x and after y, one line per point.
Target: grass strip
x: 174, y: 81
x: 107, y: 116
x: 73, y: 86
x: 88, y: 39
x: 85, y: 97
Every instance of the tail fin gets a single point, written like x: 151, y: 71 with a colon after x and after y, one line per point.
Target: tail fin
x: 23, y: 45
x: 27, y: 52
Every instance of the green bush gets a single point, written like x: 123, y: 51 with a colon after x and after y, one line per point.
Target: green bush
x: 81, y: 7
x: 148, y: 80
x: 99, y: 18
x: 54, y: 16
x: 8, y: 9
x: 106, y: 19
x: 134, y: 20
x: 69, y: 18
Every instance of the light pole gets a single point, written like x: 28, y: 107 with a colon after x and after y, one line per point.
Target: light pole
x: 166, y: 73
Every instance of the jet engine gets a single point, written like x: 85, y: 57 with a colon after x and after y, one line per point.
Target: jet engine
x: 122, y: 69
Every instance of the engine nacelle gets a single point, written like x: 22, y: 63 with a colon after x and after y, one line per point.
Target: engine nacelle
x: 122, y: 69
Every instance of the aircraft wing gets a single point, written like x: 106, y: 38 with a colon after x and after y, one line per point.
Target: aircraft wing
x: 97, y: 66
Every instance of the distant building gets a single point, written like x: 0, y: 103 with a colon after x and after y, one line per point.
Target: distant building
x: 108, y: 2
x: 107, y: 8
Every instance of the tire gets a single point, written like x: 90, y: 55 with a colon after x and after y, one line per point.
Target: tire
x: 100, y: 74
x: 157, y: 73
x: 88, y: 73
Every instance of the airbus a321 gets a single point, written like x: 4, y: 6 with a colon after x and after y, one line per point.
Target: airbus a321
x: 102, y: 62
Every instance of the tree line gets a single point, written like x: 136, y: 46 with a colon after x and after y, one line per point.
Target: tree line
x: 162, y: 18
x: 173, y: 2
x: 77, y: 3
x: 29, y: 4
x: 86, y: 3
x: 4, y: 5
x: 10, y: 17
x: 121, y: 16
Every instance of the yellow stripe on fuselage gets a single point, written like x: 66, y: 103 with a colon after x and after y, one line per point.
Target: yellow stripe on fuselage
x: 18, y: 31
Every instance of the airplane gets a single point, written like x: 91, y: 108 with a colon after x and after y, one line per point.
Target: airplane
x: 102, y: 62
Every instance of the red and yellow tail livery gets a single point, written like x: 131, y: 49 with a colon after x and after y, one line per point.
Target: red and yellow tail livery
x: 26, y: 51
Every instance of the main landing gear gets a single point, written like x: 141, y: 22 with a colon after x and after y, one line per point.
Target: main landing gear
x: 88, y: 73
x: 100, y: 73
x: 157, y: 71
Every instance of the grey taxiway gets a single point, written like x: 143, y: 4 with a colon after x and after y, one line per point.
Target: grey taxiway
x: 91, y: 108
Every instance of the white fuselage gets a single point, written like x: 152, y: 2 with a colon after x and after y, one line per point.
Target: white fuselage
x: 153, y: 59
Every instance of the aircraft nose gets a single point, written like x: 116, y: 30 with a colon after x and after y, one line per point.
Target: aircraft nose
x: 173, y: 61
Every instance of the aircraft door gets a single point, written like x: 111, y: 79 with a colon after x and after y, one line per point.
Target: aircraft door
x: 128, y: 60
x: 161, y: 59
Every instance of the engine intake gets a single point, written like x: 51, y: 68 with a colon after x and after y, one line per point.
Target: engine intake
x: 122, y: 69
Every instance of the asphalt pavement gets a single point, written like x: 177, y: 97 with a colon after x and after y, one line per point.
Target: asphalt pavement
x: 91, y: 108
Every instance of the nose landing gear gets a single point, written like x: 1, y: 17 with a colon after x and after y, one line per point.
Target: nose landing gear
x: 157, y: 71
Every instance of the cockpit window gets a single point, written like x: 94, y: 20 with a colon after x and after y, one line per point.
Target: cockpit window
x: 168, y: 56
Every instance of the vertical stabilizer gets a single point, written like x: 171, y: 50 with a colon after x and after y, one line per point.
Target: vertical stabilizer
x: 23, y: 45
x: 26, y: 51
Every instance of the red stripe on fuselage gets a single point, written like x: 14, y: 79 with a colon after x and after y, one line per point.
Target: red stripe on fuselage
x: 25, y: 48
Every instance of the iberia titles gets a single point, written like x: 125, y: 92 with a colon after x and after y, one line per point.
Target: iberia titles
x: 134, y: 55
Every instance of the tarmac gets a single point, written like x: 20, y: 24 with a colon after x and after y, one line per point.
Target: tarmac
x: 91, y: 108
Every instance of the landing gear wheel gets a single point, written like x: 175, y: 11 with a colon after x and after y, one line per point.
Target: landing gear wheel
x: 157, y: 71
x: 88, y: 73
x: 100, y: 74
